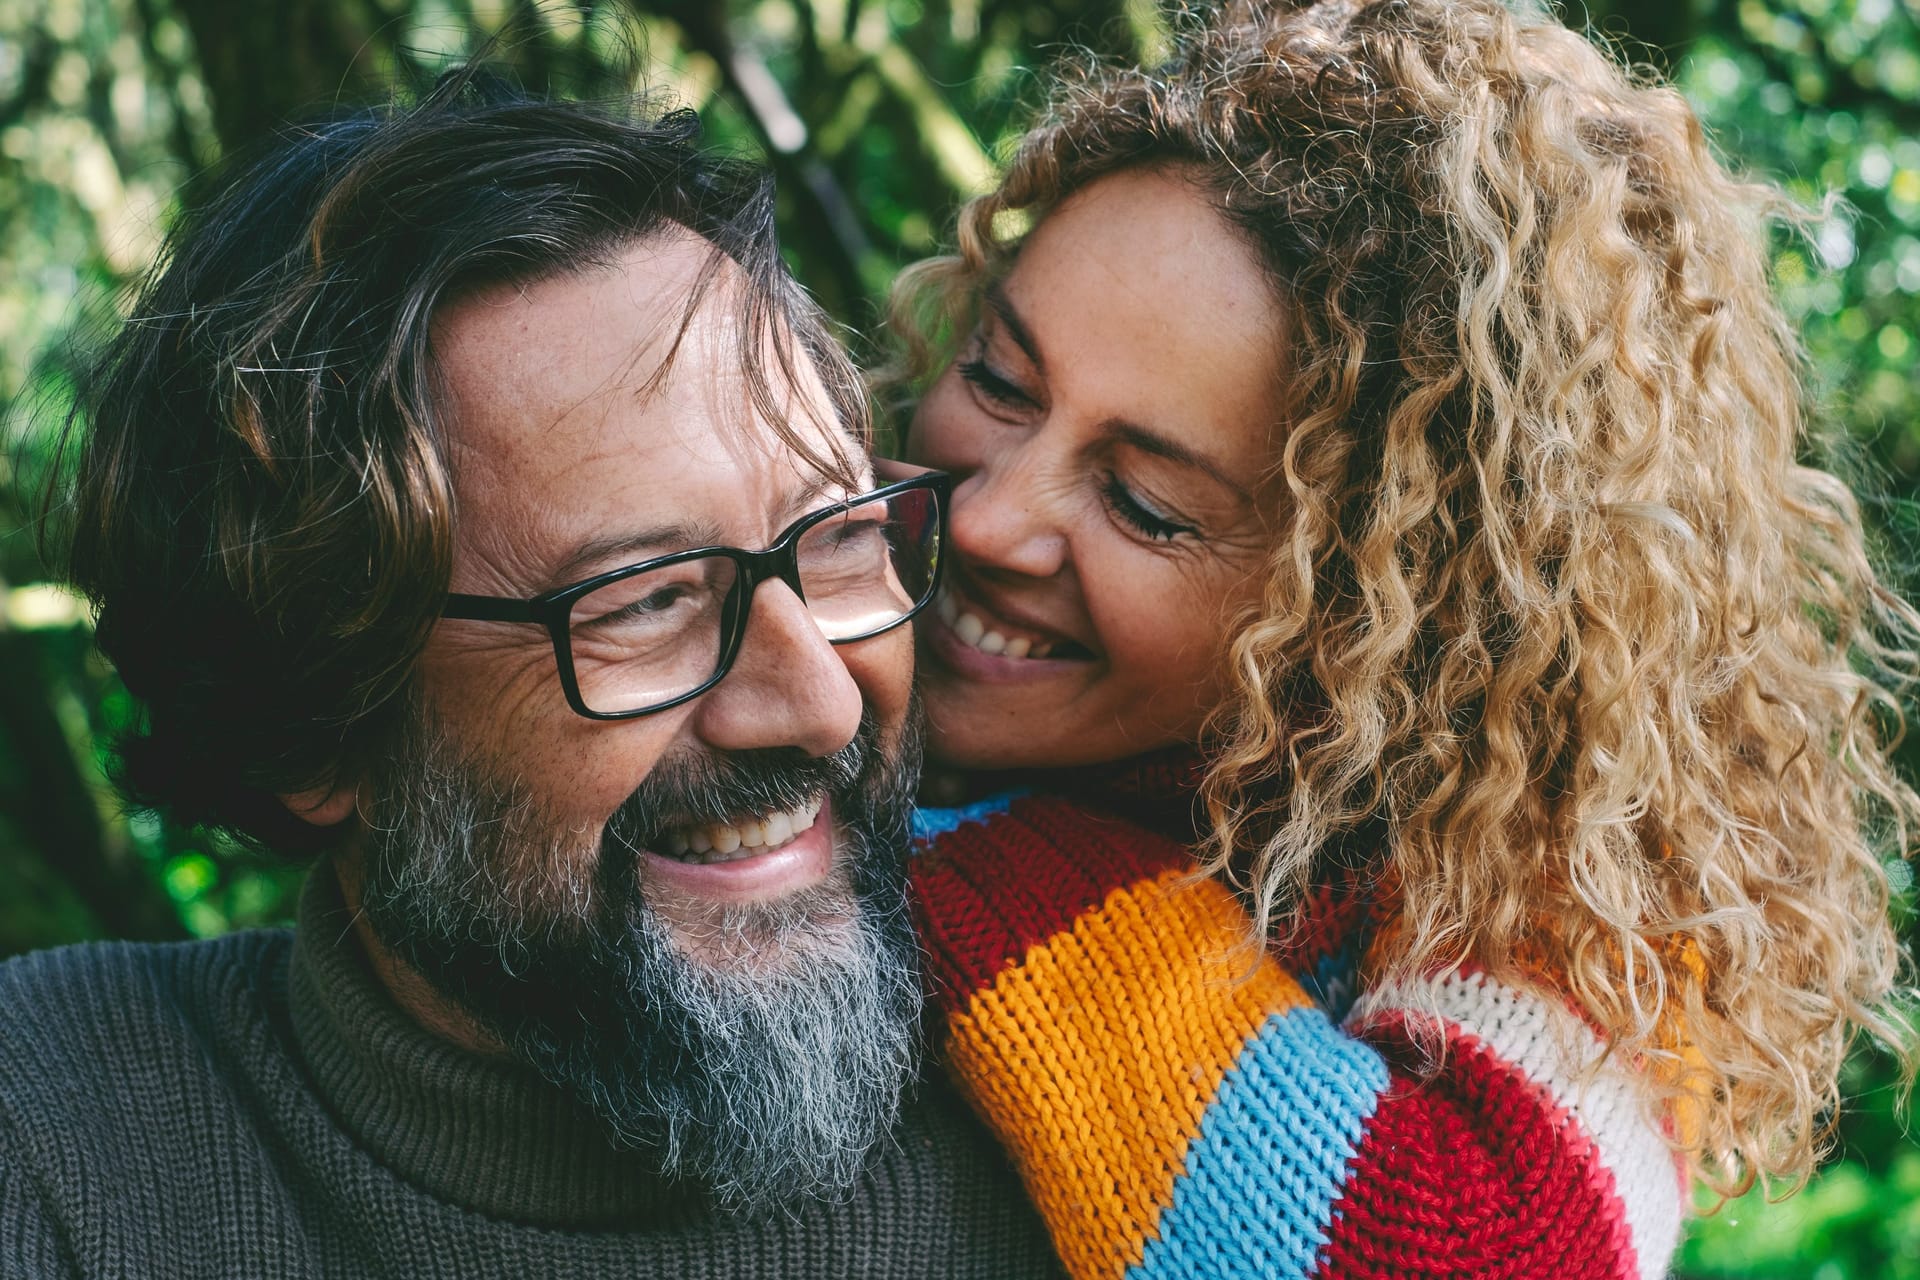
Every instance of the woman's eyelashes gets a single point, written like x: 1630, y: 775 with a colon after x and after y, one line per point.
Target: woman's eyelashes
x: 993, y: 386
x: 1151, y: 523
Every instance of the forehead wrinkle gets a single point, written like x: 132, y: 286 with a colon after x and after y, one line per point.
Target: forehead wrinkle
x: 560, y: 405
x: 623, y: 376
x: 802, y: 406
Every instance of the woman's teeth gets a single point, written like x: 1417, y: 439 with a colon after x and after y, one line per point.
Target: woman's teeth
x: 974, y: 632
x: 723, y: 842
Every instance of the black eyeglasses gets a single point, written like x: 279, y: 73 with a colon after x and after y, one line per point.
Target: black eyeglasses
x: 654, y: 634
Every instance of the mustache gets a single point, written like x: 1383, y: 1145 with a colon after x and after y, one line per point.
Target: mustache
x: 698, y: 790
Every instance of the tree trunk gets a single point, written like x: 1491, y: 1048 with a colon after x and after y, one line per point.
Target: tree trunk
x: 265, y: 64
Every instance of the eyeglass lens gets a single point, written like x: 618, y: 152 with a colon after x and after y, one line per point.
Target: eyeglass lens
x: 647, y: 639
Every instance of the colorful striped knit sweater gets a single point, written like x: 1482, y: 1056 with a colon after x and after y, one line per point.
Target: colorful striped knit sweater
x: 1174, y: 1117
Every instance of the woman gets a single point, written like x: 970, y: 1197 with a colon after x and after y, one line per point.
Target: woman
x: 1388, y: 399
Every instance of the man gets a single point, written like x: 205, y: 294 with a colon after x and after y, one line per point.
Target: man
x: 474, y: 503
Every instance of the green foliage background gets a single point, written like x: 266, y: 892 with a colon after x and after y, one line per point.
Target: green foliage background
x: 879, y: 116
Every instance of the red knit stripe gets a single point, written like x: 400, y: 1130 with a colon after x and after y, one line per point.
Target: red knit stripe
x: 1328, y: 918
x: 1480, y: 1172
x: 985, y: 893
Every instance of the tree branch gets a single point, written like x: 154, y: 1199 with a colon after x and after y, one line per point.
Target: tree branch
x: 829, y: 218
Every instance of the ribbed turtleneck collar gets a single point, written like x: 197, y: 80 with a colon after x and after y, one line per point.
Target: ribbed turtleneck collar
x: 482, y: 1132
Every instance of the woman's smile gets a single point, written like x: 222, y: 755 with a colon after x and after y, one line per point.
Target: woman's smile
x: 996, y: 629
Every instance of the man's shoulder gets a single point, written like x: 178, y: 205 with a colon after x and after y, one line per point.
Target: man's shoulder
x: 84, y: 971
x: 142, y: 1089
x: 70, y: 1016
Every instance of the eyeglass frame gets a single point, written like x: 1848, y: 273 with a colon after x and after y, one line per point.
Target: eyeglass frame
x: 553, y: 609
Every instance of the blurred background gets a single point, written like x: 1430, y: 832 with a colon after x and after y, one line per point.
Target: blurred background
x: 878, y: 116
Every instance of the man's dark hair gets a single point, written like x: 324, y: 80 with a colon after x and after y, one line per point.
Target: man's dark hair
x: 262, y: 512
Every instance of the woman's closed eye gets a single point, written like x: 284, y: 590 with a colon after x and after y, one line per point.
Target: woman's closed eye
x: 1148, y: 520
x: 994, y: 386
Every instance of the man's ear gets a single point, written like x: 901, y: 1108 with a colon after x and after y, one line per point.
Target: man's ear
x: 325, y: 806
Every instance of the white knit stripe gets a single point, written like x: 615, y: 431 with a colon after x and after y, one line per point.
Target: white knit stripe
x: 1523, y: 1029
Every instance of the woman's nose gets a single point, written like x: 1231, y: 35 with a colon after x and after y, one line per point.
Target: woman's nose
x: 1005, y: 517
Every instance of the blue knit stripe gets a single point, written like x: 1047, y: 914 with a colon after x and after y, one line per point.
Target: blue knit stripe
x: 931, y: 823
x: 1271, y: 1157
x: 1334, y: 983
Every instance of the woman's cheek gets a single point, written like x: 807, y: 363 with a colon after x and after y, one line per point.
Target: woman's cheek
x: 941, y: 434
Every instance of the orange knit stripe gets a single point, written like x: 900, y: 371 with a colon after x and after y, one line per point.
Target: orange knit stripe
x: 1691, y: 1072
x: 1159, y: 971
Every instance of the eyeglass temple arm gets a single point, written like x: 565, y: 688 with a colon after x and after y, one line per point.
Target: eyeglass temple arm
x: 488, y: 608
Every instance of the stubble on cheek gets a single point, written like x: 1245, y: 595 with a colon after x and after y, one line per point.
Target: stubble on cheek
x: 533, y: 872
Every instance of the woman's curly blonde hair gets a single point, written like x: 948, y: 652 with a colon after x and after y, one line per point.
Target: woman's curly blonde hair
x: 1554, y: 592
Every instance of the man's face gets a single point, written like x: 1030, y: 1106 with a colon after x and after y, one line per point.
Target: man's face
x: 751, y: 1016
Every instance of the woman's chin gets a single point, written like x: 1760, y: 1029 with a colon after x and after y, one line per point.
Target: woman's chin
x: 985, y: 713
x: 967, y: 749
x: 963, y: 744
x: 964, y: 736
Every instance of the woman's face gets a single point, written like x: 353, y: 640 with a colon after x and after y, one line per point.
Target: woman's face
x: 1108, y: 424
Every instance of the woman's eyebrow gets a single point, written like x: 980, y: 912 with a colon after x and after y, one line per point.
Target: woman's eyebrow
x: 1150, y: 441
x: 1002, y: 306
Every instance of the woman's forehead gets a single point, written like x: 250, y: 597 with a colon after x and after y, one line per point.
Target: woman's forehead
x: 1138, y: 297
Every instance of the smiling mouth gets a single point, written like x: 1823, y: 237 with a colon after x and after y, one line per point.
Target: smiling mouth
x: 999, y: 638
x: 714, y: 842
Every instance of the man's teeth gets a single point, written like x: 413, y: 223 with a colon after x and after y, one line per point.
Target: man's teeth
x: 973, y: 631
x: 727, y: 842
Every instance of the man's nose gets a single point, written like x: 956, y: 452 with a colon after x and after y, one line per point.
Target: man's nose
x: 1006, y: 516
x: 788, y: 687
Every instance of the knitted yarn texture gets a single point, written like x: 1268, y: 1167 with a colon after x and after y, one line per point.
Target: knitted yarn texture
x: 257, y: 1106
x: 1182, y: 1107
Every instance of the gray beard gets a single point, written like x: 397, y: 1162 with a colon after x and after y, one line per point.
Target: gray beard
x: 761, y: 1051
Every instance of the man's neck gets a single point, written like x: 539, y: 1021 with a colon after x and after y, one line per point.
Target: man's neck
x: 417, y: 997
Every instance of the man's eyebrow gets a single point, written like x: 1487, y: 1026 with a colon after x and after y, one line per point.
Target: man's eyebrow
x: 629, y: 548
x: 1161, y: 446
x: 1002, y: 306
x: 618, y: 550
x: 808, y: 495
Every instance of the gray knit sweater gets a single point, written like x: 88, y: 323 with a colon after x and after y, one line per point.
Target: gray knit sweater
x: 257, y: 1107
